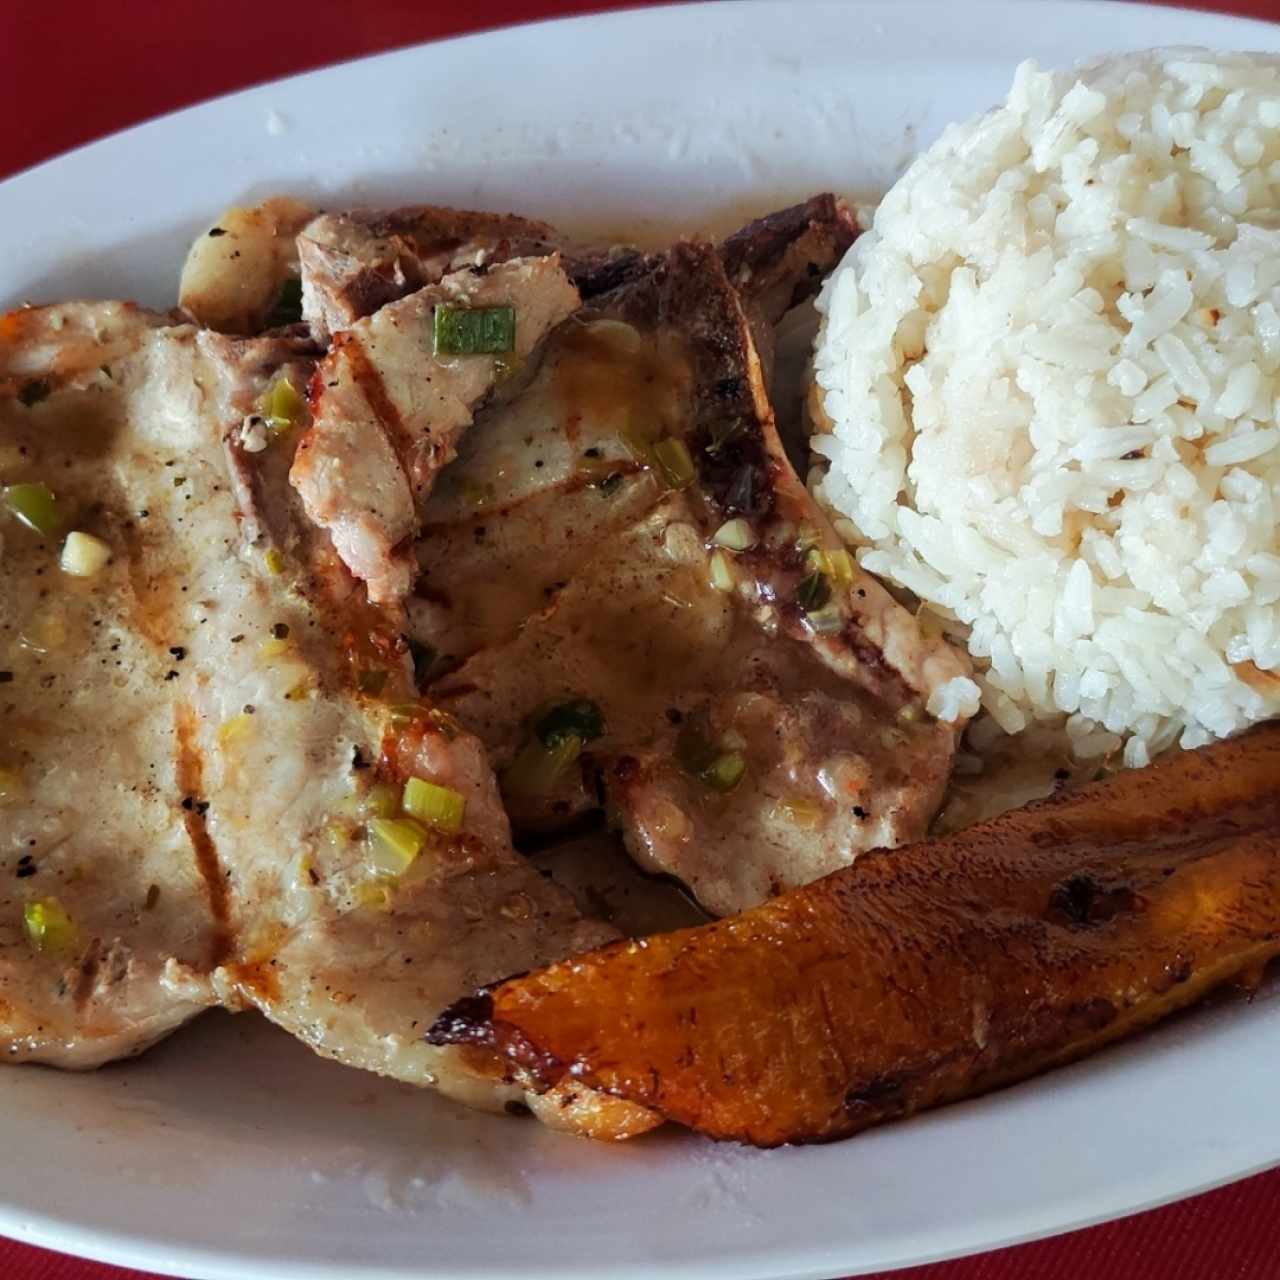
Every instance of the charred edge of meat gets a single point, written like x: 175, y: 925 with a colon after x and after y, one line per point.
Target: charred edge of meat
x: 600, y: 271
x: 764, y: 245
x: 439, y: 229
x: 470, y: 1021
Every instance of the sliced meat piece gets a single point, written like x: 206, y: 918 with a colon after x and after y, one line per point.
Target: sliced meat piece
x: 111, y: 918
x: 673, y: 662
x: 190, y: 773
x: 387, y: 411
x: 356, y: 262
x: 241, y: 275
x: 930, y: 974
x: 824, y: 699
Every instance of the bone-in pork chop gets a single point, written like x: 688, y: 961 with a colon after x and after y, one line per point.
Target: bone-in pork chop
x: 758, y: 710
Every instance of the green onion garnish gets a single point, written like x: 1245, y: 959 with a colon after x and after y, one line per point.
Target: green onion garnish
x: 579, y: 719
x: 437, y: 806
x: 394, y: 843
x: 825, y: 621
x: 715, y: 768
x: 35, y: 506
x: 813, y: 592
x: 287, y: 308
x: 49, y: 928
x: 725, y: 771
x: 472, y: 331
x: 283, y: 406
x: 673, y: 461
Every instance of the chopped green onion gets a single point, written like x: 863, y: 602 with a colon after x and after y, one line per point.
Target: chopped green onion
x: 371, y: 682
x: 673, y: 461
x: 375, y: 894
x: 580, y: 719
x: 735, y: 535
x: 83, y: 555
x: 283, y: 406
x: 725, y: 771
x: 35, y: 506
x: 472, y: 331
x: 839, y: 565
x: 287, y: 308
x: 49, y: 928
x: 813, y: 592
x: 437, y: 806
x: 537, y: 769
x: 825, y: 621
x: 714, y: 768
x: 394, y: 843
x: 721, y: 574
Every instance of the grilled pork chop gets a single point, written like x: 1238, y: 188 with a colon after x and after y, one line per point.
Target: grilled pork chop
x: 628, y: 533
x: 191, y: 768
x: 929, y: 974
x: 389, y: 408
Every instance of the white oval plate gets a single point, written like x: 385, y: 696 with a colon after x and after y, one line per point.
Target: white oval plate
x: 230, y: 1151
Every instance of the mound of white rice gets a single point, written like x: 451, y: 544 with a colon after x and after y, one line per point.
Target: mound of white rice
x: 1050, y: 376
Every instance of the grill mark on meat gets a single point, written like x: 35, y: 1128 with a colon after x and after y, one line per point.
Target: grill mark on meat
x: 88, y: 974
x: 368, y: 377
x: 189, y: 772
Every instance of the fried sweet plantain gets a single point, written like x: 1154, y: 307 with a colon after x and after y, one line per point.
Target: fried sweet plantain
x: 927, y: 974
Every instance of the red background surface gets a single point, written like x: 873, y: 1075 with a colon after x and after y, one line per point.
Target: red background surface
x: 73, y: 70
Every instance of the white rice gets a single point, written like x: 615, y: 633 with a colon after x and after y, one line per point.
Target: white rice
x: 1049, y: 375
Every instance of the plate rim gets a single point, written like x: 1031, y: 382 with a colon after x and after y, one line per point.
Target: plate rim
x: 60, y: 1232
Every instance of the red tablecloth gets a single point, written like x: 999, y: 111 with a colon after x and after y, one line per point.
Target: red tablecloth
x: 72, y: 70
